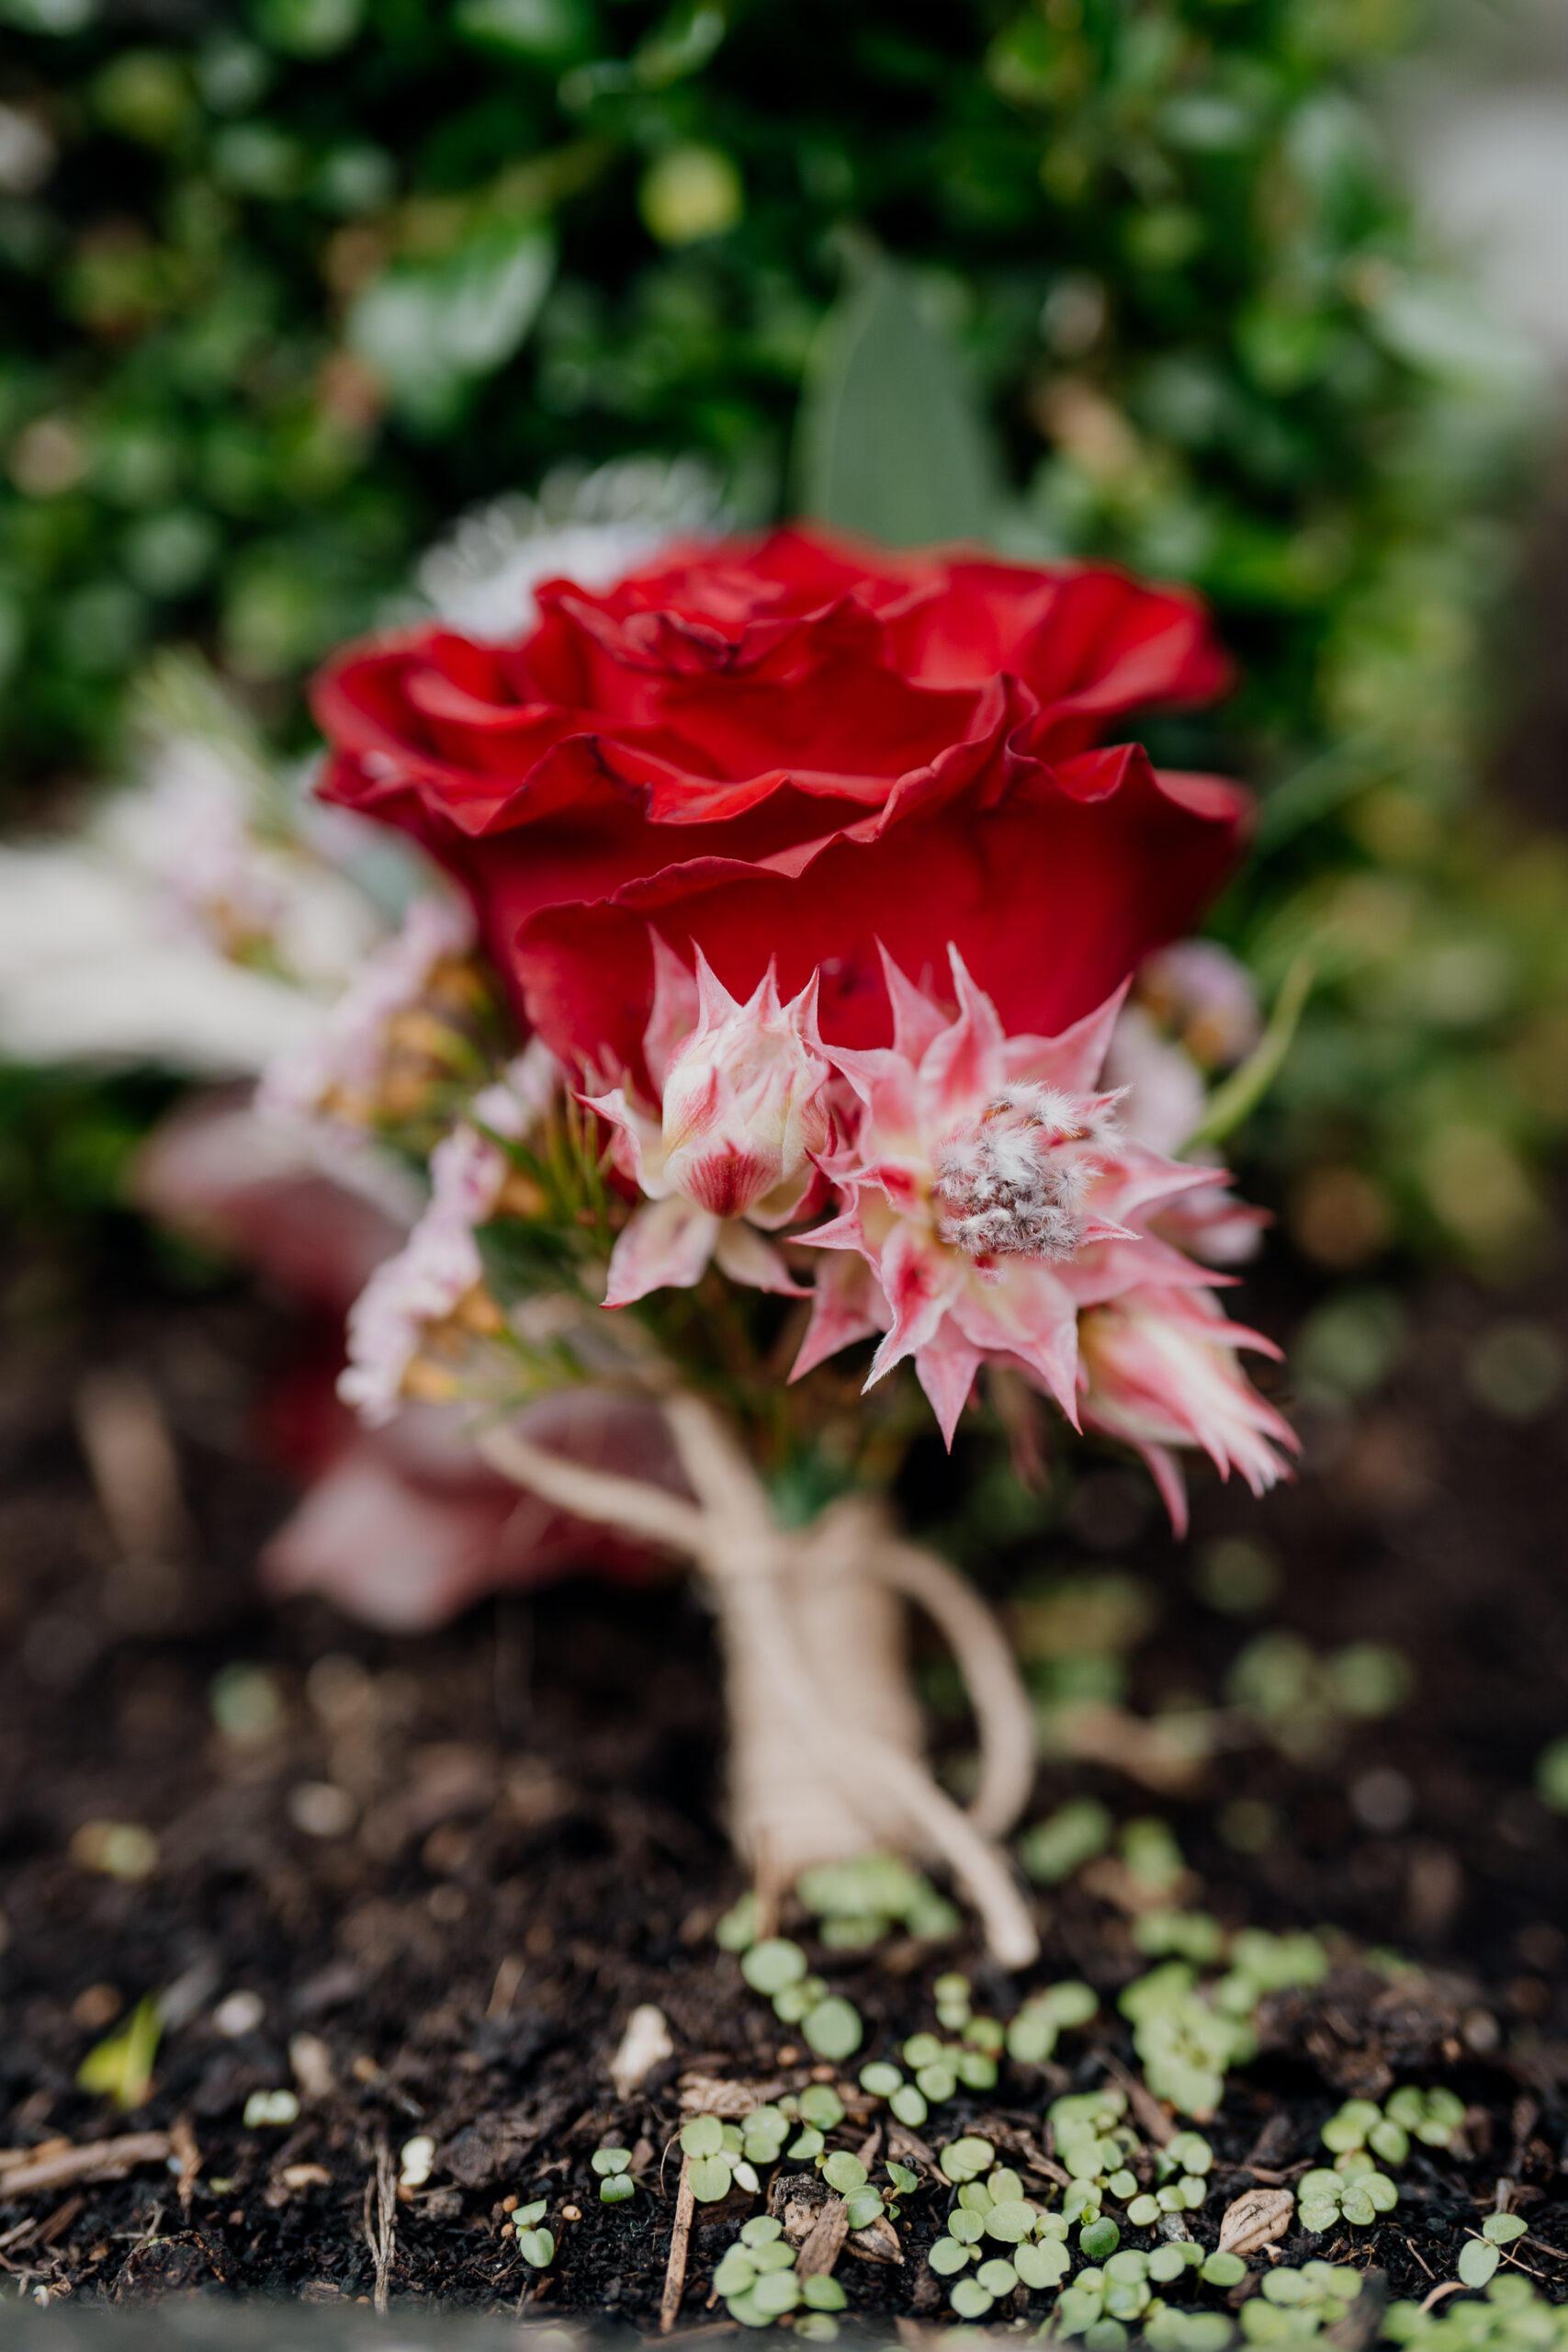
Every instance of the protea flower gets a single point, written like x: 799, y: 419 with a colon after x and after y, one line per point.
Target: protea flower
x: 994, y: 1195
x: 741, y: 1123
x: 1157, y: 1368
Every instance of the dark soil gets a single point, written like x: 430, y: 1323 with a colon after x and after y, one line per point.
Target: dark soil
x: 534, y: 1849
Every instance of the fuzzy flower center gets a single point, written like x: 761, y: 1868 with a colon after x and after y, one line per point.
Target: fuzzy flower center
x: 1015, y: 1182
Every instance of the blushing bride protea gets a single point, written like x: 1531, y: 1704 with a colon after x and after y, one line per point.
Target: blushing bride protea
x: 741, y: 1123
x: 1001, y: 1209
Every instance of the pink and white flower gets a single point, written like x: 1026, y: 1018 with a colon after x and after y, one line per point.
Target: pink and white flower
x: 994, y: 1195
x: 436, y: 1282
x: 1157, y: 1368
x: 742, y: 1120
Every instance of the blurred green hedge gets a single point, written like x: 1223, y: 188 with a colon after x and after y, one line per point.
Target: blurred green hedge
x: 283, y: 290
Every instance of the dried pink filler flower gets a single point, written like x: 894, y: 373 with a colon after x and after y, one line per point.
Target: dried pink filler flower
x: 996, y: 1198
x: 742, y: 1119
x: 438, y: 1277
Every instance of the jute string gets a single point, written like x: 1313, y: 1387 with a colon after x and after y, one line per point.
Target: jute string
x: 826, y: 1758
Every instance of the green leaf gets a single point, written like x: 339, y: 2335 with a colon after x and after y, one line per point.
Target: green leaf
x: 889, y: 441
x: 833, y: 2029
x: 1042, y: 2265
x: 537, y: 2248
x: 608, y: 2160
x: 908, y: 2104
x: 970, y: 2299
x: 1011, y: 2221
x: 777, y: 2293
x: 880, y: 2078
x: 738, y: 1929
x: 616, y: 2188
x: 1477, y: 2262
x: 967, y: 2158
x: 703, y: 2136
x: 948, y: 2256
x: 864, y: 2206
x: 1503, y: 2228
x: 736, y: 2273
x: 823, y: 2294
x: 710, y: 2178
x: 121, y: 2066
x: 769, y: 1967
x: 845, y: 2172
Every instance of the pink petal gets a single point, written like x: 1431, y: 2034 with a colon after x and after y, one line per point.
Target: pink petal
x: 1072, y: 1061
x: 918, y: 1280
x: 1030, y: 1314
x: 1164, y: 1468
x: 627, y: 1145
x: 715, y: 1003
x: 1110, y: 1269
x: 844, y: 1232
x: 916, y: 1021
x: 846, y: 1305
x: 674, y: 1012
x: 745, y: 1257
x: 963, y: 1065
x: 946, y: 1369
x: 666, y: 1247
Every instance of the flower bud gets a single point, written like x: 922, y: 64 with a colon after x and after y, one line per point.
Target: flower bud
x: 743, y: 1103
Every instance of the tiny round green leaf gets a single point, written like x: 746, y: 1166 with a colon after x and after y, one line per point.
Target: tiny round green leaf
x: 769, y: 1966
x: 833, y: 2029
x: 1477, y: 2262
x: 710, y: 2178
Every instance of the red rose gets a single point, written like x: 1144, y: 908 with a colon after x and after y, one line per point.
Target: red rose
x: 790, y: 748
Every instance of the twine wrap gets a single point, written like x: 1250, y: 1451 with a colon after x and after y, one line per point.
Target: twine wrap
x: 825, y: 1760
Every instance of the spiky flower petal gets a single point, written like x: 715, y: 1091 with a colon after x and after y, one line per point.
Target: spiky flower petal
x: 1158, y: 1369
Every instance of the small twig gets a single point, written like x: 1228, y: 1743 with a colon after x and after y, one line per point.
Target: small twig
x: 381, y: 2222
x: 1156, y: 2124
x: 679, y: 2241
x: 15, y: 2236
x: 187, y: 2156
x: 1410, y: 2249
x: 1482, y: 2239
x: 96, y: 2160
x: 60, y: 2221
x: 1448, y: 2287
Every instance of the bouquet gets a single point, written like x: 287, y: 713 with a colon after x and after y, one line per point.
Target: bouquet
x: 751, y: 1076
x: 759, y: 1067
